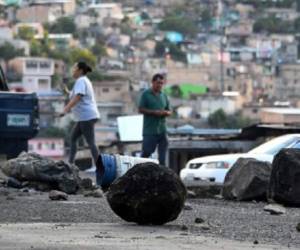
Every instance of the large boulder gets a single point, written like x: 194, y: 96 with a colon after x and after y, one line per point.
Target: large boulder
x: 147, y: 194
x: 285, y: 177
x: 41, y: 170
x: 248, y: 179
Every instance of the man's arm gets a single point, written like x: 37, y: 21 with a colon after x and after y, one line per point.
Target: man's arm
x: 154, y: 112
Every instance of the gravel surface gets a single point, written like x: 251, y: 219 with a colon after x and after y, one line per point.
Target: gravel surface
x: 222, y: 219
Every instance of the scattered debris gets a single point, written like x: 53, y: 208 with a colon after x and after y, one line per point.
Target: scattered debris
x: 203, y: 226
x: 187, y: 206
x: 205, y: 189
x: 140, y: 195
x: 94, y: 193
x: 275, y: 209
x: 191, y: 194
x: 56, y: 195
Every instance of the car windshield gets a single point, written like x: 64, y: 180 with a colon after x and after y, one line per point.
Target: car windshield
x: 273, y: 146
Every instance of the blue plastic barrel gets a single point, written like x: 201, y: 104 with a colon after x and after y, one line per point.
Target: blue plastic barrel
x: 106, y: 170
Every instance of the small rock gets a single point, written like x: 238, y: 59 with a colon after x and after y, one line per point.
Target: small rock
x: 184, y: 228
x: 95, y: 193
x: 255, y: 242
x: 275, y: 209
x: 57, y: 195
x: 191, y: 194
x: 218, y: 197
x: 199, y: 220
x: 203, y: 226
x: 298, y: 227
x: 187, y: 207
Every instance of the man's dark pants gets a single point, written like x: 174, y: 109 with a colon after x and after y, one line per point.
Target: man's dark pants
x: 149, y: 145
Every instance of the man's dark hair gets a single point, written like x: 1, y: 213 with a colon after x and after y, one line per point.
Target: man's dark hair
x: 157, y: 77
x: 84, y: 67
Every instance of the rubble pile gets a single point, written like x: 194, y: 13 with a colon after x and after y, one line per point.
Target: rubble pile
x: 42, y: 173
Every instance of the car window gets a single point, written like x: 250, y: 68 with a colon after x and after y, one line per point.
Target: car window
x: 273, y: 146
x: 296, y: 145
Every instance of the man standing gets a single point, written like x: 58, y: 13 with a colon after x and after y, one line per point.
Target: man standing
x: 154, y: 105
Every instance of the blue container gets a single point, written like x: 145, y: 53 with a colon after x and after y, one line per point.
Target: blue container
x: 106, y: 169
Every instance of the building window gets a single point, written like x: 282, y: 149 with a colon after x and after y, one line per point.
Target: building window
x: 105, y: 90
x: 117, y: 89
x: 53, y: 145
x: 39, y: 146
x: 45, y: 65
x: 31, y: 65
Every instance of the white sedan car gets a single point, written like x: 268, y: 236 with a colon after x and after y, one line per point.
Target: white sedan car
x: 213, y: 168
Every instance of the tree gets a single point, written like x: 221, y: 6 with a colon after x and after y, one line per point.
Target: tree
x: 83, y: 55
x: 273, y: 24
x: 8, y: 51
x: 99, y: 50
x: 62, y: 25
x: 26, y: 33
x: 219, y: 119
x: 181, y: 24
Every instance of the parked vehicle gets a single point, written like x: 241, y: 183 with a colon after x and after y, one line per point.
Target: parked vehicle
x: 19, y: 119
x: 214, y: 168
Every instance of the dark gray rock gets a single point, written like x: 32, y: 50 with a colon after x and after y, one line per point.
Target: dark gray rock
x: 14, y: 183
x: 199, y: 220
x: 32, y: 167
x: 86, y: 184
x: 248, y: 179
x: 56, y: 195
x: 284, y: 185
x: 147, y: 194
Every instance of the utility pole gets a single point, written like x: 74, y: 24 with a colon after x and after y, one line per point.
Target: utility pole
x: 222, y: 38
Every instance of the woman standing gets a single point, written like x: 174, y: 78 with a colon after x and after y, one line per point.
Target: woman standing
x: 84, y: 109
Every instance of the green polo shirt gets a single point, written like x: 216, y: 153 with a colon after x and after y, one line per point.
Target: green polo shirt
x: 154, y: 125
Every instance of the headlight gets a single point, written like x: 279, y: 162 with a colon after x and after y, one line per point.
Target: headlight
x: 216, y: 165
x: 195, y: 165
